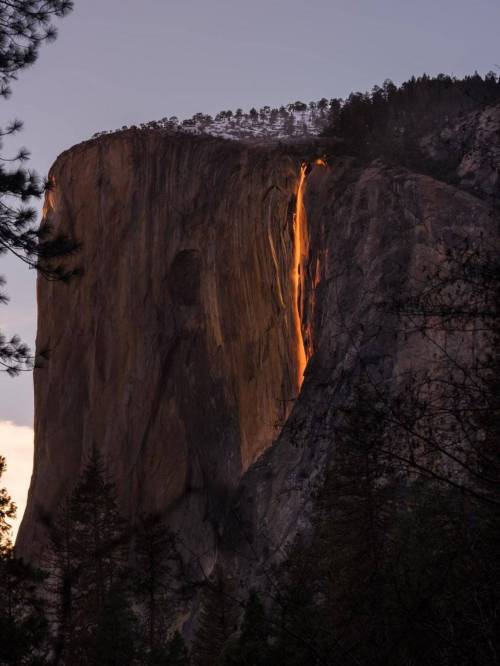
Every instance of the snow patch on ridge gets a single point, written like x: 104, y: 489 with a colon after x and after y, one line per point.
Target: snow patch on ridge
x: 295, y: 121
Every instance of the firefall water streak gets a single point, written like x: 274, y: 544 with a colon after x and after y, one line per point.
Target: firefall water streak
x: 299, y: 224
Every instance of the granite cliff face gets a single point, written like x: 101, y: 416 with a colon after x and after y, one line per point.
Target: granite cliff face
x: 470, y: 148
x: 371, y: 231
x: 178, y: 355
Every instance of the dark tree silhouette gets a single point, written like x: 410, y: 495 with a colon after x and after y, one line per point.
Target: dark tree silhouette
x: 158, y: 579
x: 23, y: 627
x: 87, y: 561
x: 217, y: 622
x: 177, y: 653
x: 252, y: 646
x: 7, y: 513
x: 117, y: 639
x: 390, y: 121
x: 24, y: 26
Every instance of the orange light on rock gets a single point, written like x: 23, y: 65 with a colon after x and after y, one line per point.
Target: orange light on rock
x: 320, y: 161
x: 299, y: 229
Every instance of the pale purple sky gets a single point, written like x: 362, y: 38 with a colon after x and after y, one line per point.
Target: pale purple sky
x: 121, y: 62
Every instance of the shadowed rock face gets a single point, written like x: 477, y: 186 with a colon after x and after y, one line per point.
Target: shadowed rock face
x: 371, y: 230
x: 175, y: 354
x: 470, y: 150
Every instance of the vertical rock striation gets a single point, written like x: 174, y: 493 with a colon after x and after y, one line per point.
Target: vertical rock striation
x: 179, y: 355
x: 371, y: 231
x: 176, y: 354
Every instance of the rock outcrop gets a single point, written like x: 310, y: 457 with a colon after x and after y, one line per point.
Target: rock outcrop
x: 176, y: 355
x: 371, y: 231
x: 469, y: 149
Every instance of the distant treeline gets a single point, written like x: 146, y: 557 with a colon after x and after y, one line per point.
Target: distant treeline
x: 390, y: 121
x: 296, y: 118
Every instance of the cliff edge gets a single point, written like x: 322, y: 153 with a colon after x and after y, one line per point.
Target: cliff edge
x: 209, y: 264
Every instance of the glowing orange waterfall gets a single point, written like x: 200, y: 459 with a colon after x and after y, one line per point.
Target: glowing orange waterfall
x: 299, y: 240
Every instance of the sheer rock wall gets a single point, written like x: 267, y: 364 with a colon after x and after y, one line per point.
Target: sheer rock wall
x: 371, y: 231
x: 174, y: 354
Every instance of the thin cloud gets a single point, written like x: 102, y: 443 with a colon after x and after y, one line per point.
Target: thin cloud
x: 16, y: 445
